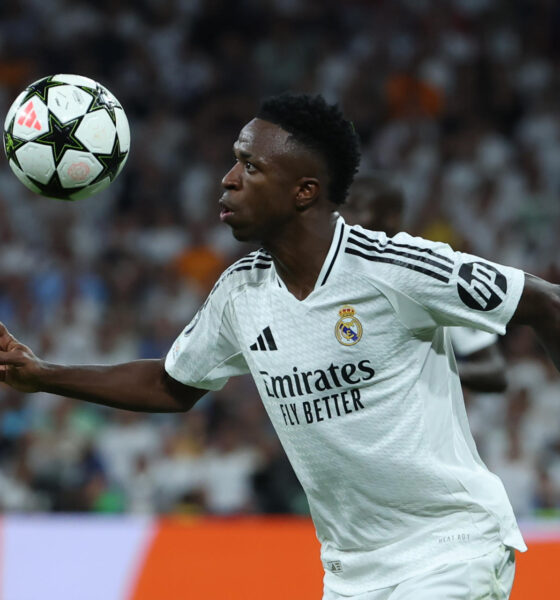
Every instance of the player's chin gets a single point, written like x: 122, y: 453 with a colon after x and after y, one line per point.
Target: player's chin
x: 242, y: 235
x: 242, y: 232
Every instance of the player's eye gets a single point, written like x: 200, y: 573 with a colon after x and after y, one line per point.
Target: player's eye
x: 250, y: 167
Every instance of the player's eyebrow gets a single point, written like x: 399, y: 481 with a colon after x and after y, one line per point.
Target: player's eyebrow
x: 241, y: 153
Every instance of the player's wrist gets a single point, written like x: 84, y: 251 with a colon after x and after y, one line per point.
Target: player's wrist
x: 46, y: 376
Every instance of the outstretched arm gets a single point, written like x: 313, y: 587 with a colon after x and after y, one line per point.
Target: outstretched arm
x: 141, y: 385
x: 539, y: 307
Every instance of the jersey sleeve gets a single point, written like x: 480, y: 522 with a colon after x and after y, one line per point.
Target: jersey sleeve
x: 207, y: 353
x: 430, y: 284
x: 467, y: 340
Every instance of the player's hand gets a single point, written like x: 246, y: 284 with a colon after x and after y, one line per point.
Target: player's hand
x: 19, y: 367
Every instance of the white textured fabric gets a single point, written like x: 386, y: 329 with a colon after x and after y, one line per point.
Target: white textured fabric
x: 360, y: 382
x: 467, y: 340
x: 489, y: 576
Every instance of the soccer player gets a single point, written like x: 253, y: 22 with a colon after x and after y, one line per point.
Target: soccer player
x: 377, y: 203
x: 343, y: 330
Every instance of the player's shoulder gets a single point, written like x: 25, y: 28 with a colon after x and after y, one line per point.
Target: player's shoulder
x: 367, y: 248
x: 248, y: 270
x: 404, y: 240
x: 253, y: 268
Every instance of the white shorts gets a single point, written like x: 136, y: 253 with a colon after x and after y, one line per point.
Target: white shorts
x: 489, y: 577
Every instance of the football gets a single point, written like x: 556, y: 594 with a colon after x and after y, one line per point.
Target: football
x: 66, y: 137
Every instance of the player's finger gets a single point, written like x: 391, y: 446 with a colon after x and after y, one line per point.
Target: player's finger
x: 7, y: 341
x: 4, y: 333
x: 13, y: 359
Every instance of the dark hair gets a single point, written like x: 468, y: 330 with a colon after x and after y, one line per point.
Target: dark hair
x: 322, y: 128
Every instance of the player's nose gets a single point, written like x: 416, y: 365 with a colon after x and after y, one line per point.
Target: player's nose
x: 232, y: 180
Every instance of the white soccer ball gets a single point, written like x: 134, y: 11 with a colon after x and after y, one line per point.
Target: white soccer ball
x: 66, y: 137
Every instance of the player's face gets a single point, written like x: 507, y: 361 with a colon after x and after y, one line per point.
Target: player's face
x: 260, y: 188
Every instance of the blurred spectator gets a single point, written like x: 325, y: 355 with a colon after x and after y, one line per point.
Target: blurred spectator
x: 229, y: 465
x: 458, y: 100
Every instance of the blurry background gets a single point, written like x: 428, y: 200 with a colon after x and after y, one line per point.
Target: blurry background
x: 458, y: 98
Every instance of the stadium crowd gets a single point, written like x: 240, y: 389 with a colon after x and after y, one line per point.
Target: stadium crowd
x: 456, y: 98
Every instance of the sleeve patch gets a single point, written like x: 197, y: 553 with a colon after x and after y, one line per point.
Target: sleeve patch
x: 481, y: 286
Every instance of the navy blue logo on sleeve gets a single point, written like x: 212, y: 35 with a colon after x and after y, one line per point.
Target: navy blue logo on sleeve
x: 481, y: 286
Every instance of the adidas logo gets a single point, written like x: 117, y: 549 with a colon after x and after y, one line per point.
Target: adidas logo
x: 29, y: 117
x: 265, y: 341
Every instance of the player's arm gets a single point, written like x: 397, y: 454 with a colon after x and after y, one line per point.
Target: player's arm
x: 484, y: 370
x: 539, y: 307
x: 141, y: 385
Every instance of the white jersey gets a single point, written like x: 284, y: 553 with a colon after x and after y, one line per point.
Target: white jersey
x: 467, y: 340
x: 360, y: 382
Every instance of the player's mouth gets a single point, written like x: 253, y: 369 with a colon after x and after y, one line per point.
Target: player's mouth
x: 225, y: 211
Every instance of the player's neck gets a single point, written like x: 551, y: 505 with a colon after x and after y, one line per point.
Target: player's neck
x: 299, y: 254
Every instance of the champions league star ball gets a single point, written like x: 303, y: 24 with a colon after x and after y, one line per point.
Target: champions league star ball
x: 66, y: 137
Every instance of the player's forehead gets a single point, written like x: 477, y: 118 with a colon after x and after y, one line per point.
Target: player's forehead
x: 262, y: 139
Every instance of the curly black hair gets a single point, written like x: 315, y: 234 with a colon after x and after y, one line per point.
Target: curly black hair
x: 322, y: 128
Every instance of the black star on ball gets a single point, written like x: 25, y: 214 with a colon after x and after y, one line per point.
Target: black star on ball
x: 101, y: 101
x: 40, y: 88
x: 11, y: 144
x: 54, y: 189
x: 111, y: 162
x: 61, y: 136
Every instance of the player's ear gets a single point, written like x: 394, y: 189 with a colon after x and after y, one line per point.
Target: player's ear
x: 307, y: 192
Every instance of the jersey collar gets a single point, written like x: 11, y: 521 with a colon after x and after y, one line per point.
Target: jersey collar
x: 333, y: 253
x: 330, y: 260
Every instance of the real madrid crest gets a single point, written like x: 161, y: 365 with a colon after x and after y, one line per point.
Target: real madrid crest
x: 348, y: 329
